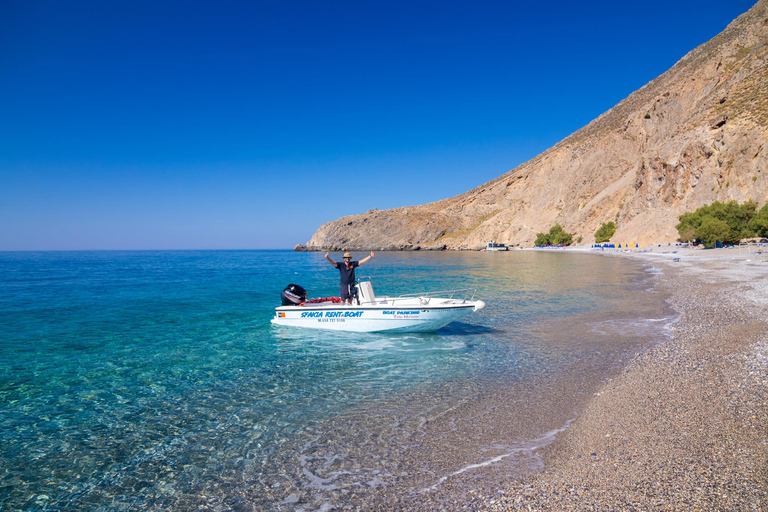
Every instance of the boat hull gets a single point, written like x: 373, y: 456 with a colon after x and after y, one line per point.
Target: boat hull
x: 416, y: 318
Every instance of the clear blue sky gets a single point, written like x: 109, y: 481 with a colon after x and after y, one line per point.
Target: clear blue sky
x: 191, y: 125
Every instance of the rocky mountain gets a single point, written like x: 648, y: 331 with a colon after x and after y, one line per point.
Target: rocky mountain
x: 694, y: 135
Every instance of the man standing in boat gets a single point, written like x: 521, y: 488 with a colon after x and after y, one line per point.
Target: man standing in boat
x: 347, y: 272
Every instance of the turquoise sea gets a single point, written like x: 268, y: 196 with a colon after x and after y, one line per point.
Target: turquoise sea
x: 154, y: 380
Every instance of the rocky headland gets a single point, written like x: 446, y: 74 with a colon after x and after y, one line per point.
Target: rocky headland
x: 694, y: 135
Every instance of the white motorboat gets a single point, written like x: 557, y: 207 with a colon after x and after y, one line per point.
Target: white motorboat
x: 423, y: 312
x: 492, y: 246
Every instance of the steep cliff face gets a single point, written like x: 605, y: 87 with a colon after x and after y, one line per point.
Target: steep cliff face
x: 694, y: 135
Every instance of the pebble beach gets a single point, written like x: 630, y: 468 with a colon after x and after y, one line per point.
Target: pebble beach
x: 685, y: 425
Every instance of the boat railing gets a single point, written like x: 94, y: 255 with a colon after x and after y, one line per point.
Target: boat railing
x: 462, y: 294
x: 459, y: 294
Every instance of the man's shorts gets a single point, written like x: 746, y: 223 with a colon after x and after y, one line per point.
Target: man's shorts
x: 346, y: 291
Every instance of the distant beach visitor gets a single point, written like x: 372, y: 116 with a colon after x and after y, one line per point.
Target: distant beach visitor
x: 347, y: 273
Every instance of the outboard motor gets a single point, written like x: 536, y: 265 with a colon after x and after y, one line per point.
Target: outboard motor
x: 293, y: 295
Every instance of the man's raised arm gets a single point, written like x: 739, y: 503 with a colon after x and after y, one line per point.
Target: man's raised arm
x: 366, y: 258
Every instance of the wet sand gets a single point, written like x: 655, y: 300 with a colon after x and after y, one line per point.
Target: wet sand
x: 685, y: 425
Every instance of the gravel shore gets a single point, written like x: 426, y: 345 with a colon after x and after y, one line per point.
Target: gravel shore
x: 685, y: 425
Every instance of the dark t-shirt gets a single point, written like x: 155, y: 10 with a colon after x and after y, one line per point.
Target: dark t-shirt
x: 347, y: 273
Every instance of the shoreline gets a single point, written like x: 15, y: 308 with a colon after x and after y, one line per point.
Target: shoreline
x: 683, y: 425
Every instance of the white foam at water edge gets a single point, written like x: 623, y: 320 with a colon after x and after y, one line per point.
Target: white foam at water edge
x: 653, y: 270
x: 662, y: 326
x: 530, y: 447
x: 316, y: 482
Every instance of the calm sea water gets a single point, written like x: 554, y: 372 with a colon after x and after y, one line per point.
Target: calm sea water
x: 154, y: 380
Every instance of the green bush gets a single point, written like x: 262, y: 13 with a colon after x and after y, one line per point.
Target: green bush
x: 713, y: 230
x: 759, y: 223
x: 606, y: 231
x: 723, y: 222
x: 556, y: 236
